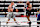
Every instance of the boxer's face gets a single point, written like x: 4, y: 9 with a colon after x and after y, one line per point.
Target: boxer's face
x: 12, y: 3
x: 28, y: 2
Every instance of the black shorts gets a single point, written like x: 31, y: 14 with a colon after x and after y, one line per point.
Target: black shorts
x: 28, y: 13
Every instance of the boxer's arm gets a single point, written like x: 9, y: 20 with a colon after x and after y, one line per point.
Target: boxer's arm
x: 8, y: 8
x: 16, y: 10
x: 30, y: 6
x: 24, y: 7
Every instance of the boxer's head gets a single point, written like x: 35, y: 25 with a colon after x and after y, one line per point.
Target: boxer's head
x: 12, y: 3
x: 28, y: 2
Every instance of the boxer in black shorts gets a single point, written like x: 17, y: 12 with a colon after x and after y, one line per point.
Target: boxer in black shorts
x: 28, y: 9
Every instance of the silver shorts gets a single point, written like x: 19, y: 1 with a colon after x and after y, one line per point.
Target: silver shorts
x: 10, y: 14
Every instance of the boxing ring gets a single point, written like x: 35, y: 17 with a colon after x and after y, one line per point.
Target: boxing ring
x: 22, y: 21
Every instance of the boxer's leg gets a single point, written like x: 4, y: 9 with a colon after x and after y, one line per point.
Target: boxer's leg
x: 13, y: 16
x: 27, y: 14
x: 9, y: 16
x: 28, y: 18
